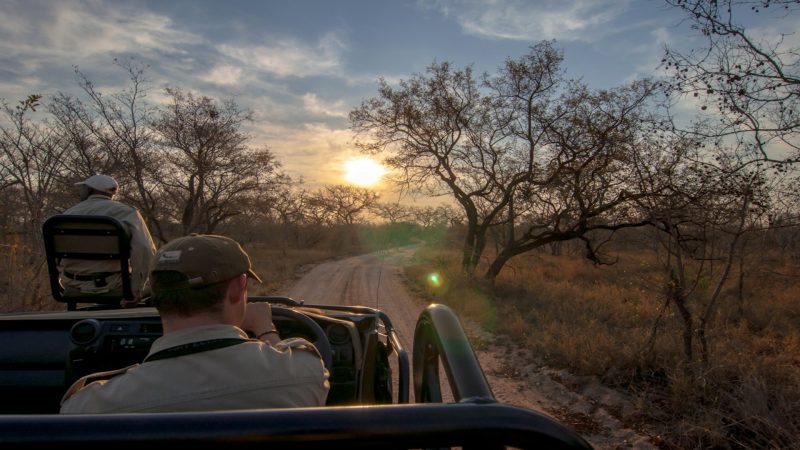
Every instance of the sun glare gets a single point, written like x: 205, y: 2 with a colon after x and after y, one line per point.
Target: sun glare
x: 363, y: 171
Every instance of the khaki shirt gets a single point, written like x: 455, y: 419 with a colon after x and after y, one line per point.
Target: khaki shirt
x: 243, y: 376
x: 142, y: 248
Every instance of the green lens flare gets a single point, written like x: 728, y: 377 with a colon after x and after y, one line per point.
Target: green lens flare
x: 435, y: 280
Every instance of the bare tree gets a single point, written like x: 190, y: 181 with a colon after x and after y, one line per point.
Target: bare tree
x: 752, y: 82
x: 111, y: 133
x: 428, y: 122
x: 392, y: 212
x: 704, y: 215
x: 525, y: 149
x: 31, y: 165
x: 581, y: 150
x: 209, y: 172
x: 429, y: 216
x: 339, y: 204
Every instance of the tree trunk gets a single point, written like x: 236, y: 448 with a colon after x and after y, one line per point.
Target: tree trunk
x: 467, y: 251
x: 497, y: 265
x: 676, y: 294
x: 688, y: 333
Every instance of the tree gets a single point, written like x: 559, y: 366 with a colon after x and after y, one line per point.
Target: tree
x: 339, y: 204
x: 525, y: 149
x: 111, y: 134
x: 31, y: 166
x: 580, y: 151
x: 431, y: 216
x: 426, y: 122
x: 752, y: 82
x: 209, y: 173
x: 392, y: 212
x: 703, y: 213
x: 187, y: 162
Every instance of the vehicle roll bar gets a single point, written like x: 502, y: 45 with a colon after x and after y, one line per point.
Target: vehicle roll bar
x: 466, y: 425
x: 439, y: 336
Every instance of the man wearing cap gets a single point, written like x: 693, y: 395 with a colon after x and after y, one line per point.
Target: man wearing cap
x: 205, y: 361
x: 97, y: 276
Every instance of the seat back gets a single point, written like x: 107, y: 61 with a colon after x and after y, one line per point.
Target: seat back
x: 87, y: 238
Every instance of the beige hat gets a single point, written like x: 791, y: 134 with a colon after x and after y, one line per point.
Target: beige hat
x: 205, y: 259
x: 102, y: 183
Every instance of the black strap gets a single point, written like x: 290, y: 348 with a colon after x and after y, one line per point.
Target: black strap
x: 194, y: 347
x: 89, y: 277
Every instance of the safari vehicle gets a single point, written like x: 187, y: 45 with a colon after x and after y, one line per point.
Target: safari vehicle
x: 368, y: 406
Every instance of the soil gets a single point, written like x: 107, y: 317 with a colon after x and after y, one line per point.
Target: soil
x: 376, y: 280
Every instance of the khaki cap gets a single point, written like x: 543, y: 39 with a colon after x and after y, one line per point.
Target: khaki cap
x: 205, y: 259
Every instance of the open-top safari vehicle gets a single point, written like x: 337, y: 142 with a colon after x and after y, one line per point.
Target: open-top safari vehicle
x: 371, y: 377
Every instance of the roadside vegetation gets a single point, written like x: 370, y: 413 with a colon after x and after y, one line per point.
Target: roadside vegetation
x: 615, y: 322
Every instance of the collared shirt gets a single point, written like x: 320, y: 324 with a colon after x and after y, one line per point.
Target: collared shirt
x: 142, y: 247
x: 243, y: 376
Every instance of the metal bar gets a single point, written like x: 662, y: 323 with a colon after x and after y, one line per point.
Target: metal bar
x: 439, y: 335
x: 392, y: 427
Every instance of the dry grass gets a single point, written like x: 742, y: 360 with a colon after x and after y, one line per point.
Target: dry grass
x: 601, y: 321
x: 276, y: 267
x: 24, y: 282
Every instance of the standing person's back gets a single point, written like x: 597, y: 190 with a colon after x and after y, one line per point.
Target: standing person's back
x: 98, y: 276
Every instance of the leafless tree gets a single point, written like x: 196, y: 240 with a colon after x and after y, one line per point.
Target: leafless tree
x: 111, y: 133
x: 429, y: 216
x: 581, y: 150
x: 525, y: 149
x: 704, y: 215
x: 751, y: 82
x: 392, y: 212
x: 339, y: 204
x: 31, y: 165
x: 209, y: 172
x: 424, y: 121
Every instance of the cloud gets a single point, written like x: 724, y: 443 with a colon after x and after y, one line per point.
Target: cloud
x: 289, y: 57
x: 225, y: 75
x: 651, y: 52
x: 73, y: 30
x: 567, y: 20
x: 314, y: 105
x: 315, y: 151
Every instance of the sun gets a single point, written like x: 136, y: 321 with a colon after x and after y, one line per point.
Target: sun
x: 363, y: 171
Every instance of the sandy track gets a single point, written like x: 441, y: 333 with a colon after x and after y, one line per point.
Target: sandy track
x: 376, y: 280
x: 372, y: 280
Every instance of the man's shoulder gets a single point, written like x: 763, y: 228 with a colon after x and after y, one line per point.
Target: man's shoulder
x: 84, y: 385
x: 117, y: 209
x: 100, y: 204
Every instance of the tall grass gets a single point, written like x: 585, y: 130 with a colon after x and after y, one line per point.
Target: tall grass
x: 612, y: 322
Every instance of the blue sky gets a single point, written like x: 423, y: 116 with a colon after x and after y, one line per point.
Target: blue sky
x: 301, y: 66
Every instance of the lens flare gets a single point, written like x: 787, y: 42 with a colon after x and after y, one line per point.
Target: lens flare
x: 435, y: 280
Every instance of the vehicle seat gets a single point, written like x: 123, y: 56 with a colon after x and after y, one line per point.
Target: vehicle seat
x: 87, y: 237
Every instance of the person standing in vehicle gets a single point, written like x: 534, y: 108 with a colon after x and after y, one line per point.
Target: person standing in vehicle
x: 205, y: 361
x: 81, y: 277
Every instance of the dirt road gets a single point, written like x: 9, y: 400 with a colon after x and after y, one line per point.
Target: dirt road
x: 376, y: 280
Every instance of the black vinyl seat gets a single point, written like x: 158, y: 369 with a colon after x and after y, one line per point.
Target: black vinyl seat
x: 88, y: 238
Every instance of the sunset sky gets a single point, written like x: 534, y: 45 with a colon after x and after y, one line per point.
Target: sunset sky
x: 301, y: 66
